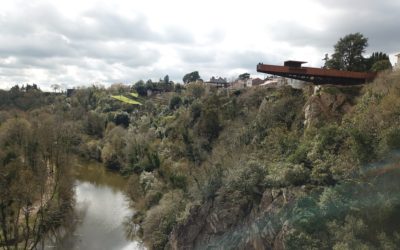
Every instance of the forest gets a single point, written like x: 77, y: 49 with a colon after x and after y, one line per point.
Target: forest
x: 253, y: 168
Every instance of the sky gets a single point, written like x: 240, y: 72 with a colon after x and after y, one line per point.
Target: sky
x: 82, y: 42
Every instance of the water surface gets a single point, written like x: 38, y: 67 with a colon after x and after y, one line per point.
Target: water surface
x: 102, y: 208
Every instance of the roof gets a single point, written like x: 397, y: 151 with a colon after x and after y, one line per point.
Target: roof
x: 292, y: 63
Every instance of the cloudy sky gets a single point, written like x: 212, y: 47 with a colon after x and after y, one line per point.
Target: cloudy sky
x: 81, y: 42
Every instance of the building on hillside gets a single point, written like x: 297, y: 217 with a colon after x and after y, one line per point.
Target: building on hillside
x: 70, y: 92
x: 274, y: 82
x: 296, y: 84
x: 257, y: 81
x: 240, y: 84
x: 218, y: 82
x: 397, y: 64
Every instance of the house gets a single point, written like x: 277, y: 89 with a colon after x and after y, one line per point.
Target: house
x: 70, y: 92
x: 241, y: 83
x: 274, y: 82
x: 218, y: 82
x: 397, y: 64
x: 257, y: 81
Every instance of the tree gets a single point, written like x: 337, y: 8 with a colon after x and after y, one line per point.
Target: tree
x: 244, y: 76
x: 175, y: 102
x: 381, y: 65
x: 55, y: 87
x: 348, y: 53
x: 191, y: 77
x: 140, y: 88
x: 166, y: 79
x: 378, y: 61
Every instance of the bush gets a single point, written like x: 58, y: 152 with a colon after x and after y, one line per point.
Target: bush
x: 392, y: 138
x: 122, y: 118
x: 195, y: 90
x: 152, y: 162
x: 152, y: 198
x: 178, y: 181
x: 363, y: 146
x: 195, y: 111
x: 175, y: 102
x: 209, y: 125
x: 249, y: 180
x: 285, y: 174
x: 94, y: 124
x: 161, y: 218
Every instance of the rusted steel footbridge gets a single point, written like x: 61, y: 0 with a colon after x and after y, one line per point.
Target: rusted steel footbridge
x: 320, y: 76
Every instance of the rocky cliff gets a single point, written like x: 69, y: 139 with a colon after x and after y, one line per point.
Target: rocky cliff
x: 228, y: 222
x: 232, y: 221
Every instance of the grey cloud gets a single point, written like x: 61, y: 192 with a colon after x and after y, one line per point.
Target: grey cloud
x: 198, y: 55
x: 41, y: 38
x: 377, y: 20
x: 249, y: 59
x: 35, y: 45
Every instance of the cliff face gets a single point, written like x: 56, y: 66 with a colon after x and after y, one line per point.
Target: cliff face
x: 228, y: 222
x: 328, y: 104
x: 232, y: 221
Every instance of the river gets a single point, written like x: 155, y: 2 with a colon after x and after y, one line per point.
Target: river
x: 101, y: 208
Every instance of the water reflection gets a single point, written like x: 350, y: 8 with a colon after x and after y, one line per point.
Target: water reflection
x: 102, y: 208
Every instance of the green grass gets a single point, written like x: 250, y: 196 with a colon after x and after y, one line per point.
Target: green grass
x: 134, y: 94
x: 125, y: 99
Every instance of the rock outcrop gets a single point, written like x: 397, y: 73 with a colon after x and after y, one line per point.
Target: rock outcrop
x: 328, y: 104
x: 232, y: 221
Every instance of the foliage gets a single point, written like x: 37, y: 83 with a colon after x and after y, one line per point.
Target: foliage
x: 381, y: 65
x: 191, y: 77
x: 248, y: 154
x: 121, y: 118
x: 175, y: 102
x: 244, y: 76
x: 160, y: 219
x: 378, y: 61
x: 348, y: 53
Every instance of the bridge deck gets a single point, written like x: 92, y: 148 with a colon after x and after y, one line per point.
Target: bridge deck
x: 317, y: 75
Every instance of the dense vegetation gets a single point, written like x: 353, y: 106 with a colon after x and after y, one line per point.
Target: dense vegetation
x: 36, y: 146
x: 187, y: 147
x: 349, y: 52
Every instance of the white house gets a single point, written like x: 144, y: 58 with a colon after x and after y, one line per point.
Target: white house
x: 397, y: 64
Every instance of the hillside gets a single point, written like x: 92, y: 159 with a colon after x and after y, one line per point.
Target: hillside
x: 268, y: 168
x: 257, y: 168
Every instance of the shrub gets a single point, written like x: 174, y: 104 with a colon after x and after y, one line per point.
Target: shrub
x: 122, y: 118
x: 392, y: 138
x: 152, y: 198
x: 178, y: 181
x: 195, y: 111
x: 94, y: 124
x: 363, y: 146
x: 249, y: 179
x: 151, y: 162
x: 195, y: 90
x: 209, y: 125
x: 285, y: 174
x: 175, y: 102
x: 161, y: 218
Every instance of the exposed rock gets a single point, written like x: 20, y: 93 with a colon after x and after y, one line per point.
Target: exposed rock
x: 232, y: 221
x: 326, y: 104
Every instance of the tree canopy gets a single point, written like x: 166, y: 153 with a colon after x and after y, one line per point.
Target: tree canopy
x: 244, y: 76
x: 348, y: 53
x: 191, y: 77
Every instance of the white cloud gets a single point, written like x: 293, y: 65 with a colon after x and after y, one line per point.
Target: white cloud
x: 76, y: 42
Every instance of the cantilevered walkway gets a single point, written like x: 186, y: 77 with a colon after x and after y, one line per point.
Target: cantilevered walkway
x: 294, y: 70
